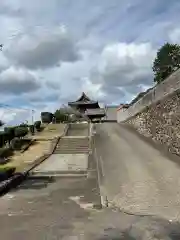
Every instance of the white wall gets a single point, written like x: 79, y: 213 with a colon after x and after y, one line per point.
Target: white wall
x: 111, y: 112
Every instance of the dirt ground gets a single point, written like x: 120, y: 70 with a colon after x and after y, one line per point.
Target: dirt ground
x: 40, y: 147
x: 50, y: 132
x: 22, y: 160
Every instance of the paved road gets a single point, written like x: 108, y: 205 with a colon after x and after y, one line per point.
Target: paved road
x: 52, y: 208
x: 55, y: 208
x: 137, y: 177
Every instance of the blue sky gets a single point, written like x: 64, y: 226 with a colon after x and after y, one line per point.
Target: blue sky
x: 54, y: 50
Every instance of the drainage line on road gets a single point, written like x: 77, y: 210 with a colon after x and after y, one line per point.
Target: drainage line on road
x: 104, y: 200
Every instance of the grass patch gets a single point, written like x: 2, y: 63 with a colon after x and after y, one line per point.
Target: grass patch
x: 6, y: 172
x: 6, y: 169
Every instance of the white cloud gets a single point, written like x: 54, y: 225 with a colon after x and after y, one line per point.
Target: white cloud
x: 122, y: 64
x: 174, y: 35
x: 42, y: 48
x: 60, y: 49
x: 17, y: 81
x: 92, y: 89
x: 14, y: 116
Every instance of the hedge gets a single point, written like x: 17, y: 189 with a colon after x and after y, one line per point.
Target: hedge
x: 20, y: 132
x: 37, y: 125
x: 46, y: 117
x: 31, y: 129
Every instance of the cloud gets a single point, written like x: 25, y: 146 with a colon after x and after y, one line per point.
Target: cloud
x: 17, y: 81
x: 14, y: 116
x: 122, y: 66
x: 174, y: 35
x: 46, y: 98
x: 55, y: 50
x: 10, y: 10
x: 42, y: 48
x: 3, y: 62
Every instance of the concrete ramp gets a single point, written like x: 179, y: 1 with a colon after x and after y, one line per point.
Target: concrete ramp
x: 69, y: 165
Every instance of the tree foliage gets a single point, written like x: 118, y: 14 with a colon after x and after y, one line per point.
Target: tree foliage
x: 31, y: 129
x: 20, y: 132
x: 60, y: 116
x: 1, y: 123
x: 9, y: 133
x: 166, y: 62
x: 46, y: 117
x: 37, y: 125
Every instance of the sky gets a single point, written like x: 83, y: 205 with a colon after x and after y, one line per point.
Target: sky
x: 54, y: 50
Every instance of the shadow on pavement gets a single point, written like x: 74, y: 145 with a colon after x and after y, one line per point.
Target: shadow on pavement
x: 36, y: 182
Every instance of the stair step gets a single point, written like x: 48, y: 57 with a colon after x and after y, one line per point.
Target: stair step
x: 63, y: 175
x: 76, y: 144
x: 70, y: 145
x: 45, y: 173
x: 73, y: 147
x: 71, y: 152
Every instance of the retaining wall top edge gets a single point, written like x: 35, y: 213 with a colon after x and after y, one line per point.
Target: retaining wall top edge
x: 158, y: 92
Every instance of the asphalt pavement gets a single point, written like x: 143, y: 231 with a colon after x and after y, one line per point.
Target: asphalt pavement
x: 136, y: 177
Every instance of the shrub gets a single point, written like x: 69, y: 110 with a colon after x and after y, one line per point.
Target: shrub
x: 2, y: 139
x: 21, y: 131
x: 37, y: 125
x: 23, y: 125
x: 5, y: 152
x: 16, y: 144
x: 6, y: 173
x: 31, y: 129
x: 9, y: 133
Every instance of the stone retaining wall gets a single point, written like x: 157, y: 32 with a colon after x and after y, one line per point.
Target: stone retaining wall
x: 161, y: 122
x: 157, y: 114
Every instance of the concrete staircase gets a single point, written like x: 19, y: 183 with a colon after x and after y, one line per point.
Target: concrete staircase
x: 73, y: 145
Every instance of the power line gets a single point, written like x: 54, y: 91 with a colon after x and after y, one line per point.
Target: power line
x: 10, y: 108
x: 16, y: 108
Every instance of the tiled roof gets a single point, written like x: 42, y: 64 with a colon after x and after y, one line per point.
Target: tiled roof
x: 83, y: 99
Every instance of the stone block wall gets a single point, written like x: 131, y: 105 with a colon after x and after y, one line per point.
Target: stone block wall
x: 157, y: 114
x: 161, y: 122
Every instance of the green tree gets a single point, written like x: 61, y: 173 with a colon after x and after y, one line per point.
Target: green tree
x: 166, y: 62
x: 9, y: 133
x: 46, y: 117
x: 37, y: 125
x: 20, y: 132
x: 60, y: 116
x: 1, y: 123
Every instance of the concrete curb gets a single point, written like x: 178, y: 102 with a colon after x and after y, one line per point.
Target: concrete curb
x: 18, y: 178
x: 27, y: 146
